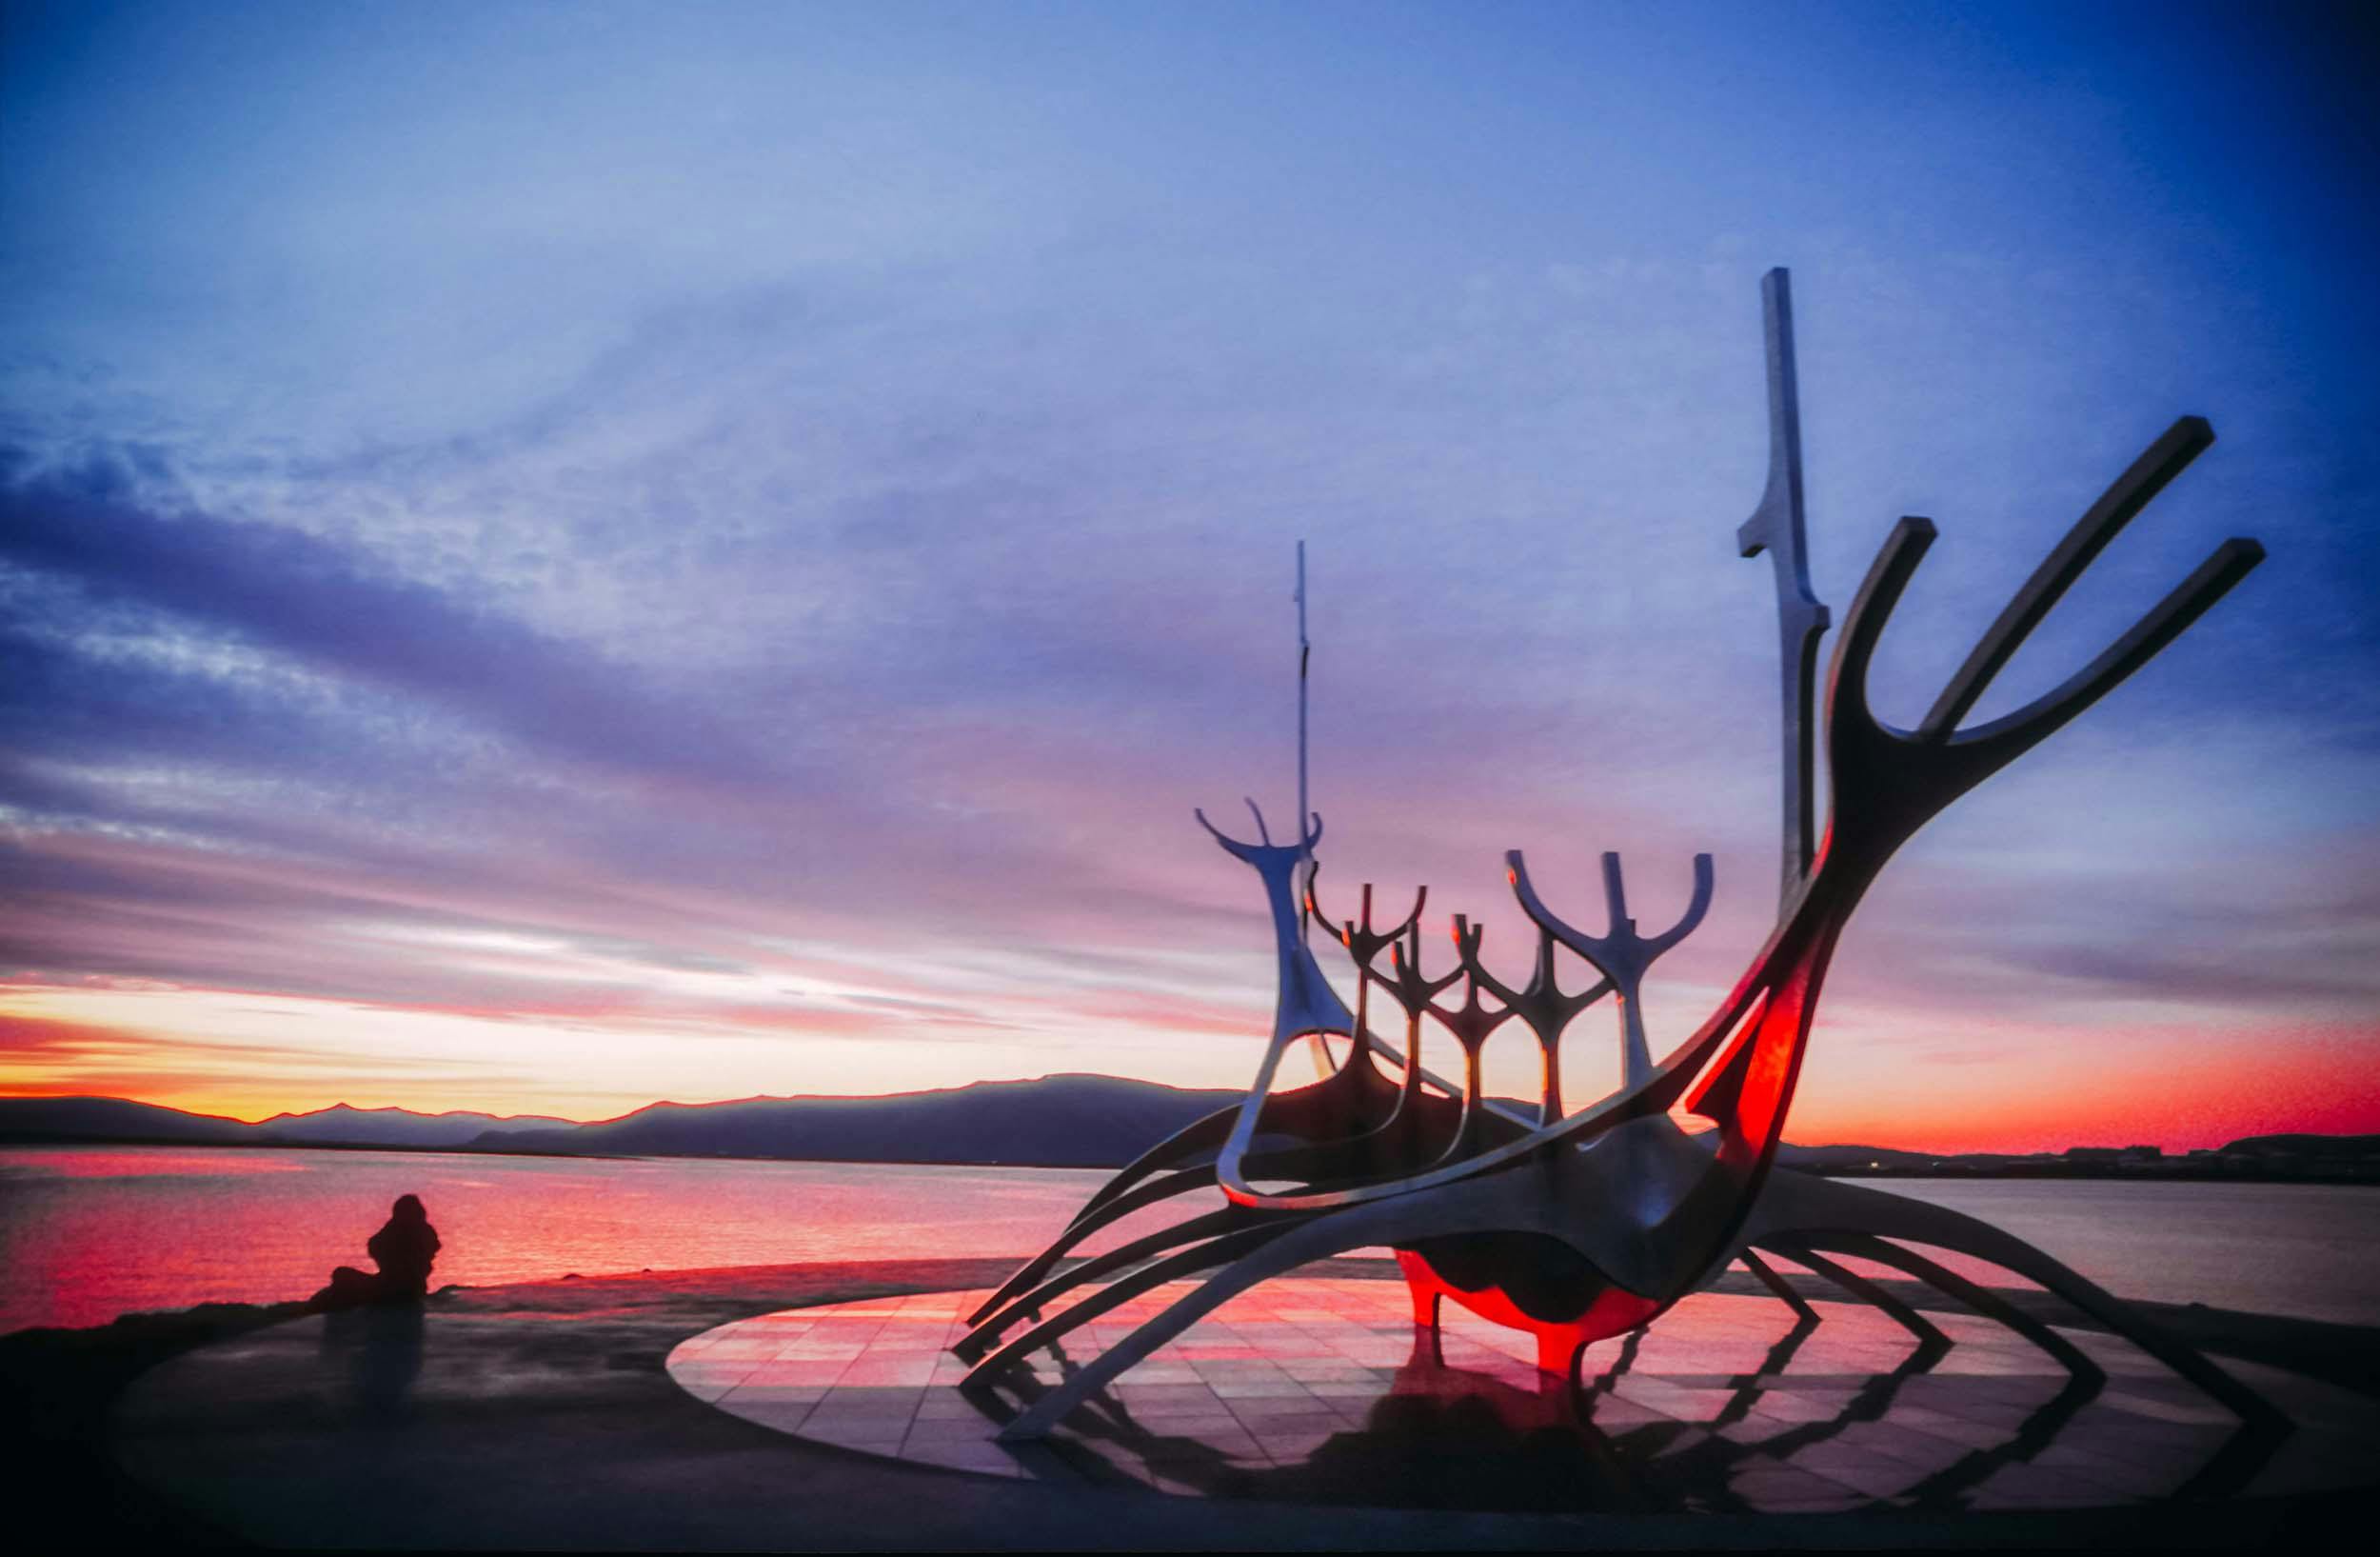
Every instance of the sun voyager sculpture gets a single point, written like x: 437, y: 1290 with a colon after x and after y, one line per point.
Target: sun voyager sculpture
x: 1581, y: 1227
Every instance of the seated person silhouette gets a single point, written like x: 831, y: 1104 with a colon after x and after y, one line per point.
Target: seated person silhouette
x: 404, y: 1250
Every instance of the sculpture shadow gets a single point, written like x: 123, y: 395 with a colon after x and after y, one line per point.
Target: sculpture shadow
x: 377, y: 1350
x: 1451, y: 1438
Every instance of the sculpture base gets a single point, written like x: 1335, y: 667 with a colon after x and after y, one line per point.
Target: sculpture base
x: 1317, y: 1389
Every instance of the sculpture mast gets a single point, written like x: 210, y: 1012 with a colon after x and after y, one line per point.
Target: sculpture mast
x: 1776, y: 527
x: 1316, y: 1044
x: 1305, y: 651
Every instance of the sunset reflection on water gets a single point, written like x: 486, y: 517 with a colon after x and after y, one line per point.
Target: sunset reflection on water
x: 86, y: 1233
x: 89, y: 1232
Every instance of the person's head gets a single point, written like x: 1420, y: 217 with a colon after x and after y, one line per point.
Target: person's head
x: 408, y: 1209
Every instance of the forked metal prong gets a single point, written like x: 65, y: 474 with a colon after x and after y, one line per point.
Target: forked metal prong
x: 1692, y: 918
x: 1622, y: 956
x: 1863, y: 626
x: 1363, y: 941
x: 2159, y: 464
x: 2010, y: 736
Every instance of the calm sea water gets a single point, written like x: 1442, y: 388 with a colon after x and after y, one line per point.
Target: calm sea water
x: 88, y: 1233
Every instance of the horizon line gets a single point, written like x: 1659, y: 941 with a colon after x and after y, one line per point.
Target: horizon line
x: 8, y: 1096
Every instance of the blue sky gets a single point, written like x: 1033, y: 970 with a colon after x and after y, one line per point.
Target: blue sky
x: 559, y: 555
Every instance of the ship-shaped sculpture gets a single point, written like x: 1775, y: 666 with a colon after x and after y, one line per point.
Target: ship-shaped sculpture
x: 1581, y: 1226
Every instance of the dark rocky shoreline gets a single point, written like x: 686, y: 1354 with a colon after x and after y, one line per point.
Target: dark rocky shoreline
x: 62, y: 1385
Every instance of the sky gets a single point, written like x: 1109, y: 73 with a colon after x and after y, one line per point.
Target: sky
x: 553, y: 557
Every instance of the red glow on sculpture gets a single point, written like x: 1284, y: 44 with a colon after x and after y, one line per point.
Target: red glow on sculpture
x: 1559, y: 1343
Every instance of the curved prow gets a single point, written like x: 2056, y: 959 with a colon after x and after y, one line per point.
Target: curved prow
x: 1304, y: 1003
x: 1889, y: 782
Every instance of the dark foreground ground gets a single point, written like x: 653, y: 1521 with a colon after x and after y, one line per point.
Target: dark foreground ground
x: 539, y: 1416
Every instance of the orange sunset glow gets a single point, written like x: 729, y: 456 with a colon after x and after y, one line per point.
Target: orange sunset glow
x: 512, y: 605
x: 230, y: 1053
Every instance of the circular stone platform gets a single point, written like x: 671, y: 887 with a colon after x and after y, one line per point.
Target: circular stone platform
x: 1319, y: 1390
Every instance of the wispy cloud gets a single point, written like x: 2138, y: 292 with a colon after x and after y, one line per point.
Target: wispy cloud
x: 776, y: 562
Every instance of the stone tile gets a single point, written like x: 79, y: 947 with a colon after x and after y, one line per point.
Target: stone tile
x: 756, y: 1348
x: 950, y: 1429
x: 708, y: 1386
x: 2198, y: 1413
x: 1291, y: 1445
x: 980, y: 1459
x: 1789, y: 1406
x: 1870, y: 1475
x: 2176, y: 1458
x: 1685, y: 1440
x: 2065, y: 1484
x: 1275, y: 1408
x: 798, y: 1372
x: 1614, y: 1414
x: 1776, y: 1482
x: 777, y: 1415
x: 845, y: 1405
x: 751, y: 1392
x: 1259, y: 1388
x: 873, y: 1369
x: 1138, y: 1395
x: 1186, y: 1424
x: 870, y: 1440
x: 2114, y: 1475
x: 1684, y: 1405
x: 1921, y: 1451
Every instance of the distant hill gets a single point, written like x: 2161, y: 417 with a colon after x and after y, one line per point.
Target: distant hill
x: 1059, y: 1121
x: 1071, y: 1121
x: 1850, y: 1158
x: 1066, y: 1121
x: 112, y: 1119
x: 340, y: 1124
x: 2306, y: 1145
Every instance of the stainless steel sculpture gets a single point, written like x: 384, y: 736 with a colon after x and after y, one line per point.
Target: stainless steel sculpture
x: 1584, y: 1226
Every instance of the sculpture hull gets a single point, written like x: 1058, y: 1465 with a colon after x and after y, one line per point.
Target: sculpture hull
x: 1611, y: 1311
x: 1608, y: 1278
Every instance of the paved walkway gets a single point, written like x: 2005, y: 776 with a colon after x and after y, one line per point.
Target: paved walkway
x: 543, y: 1416
x: 1318, y: 1389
